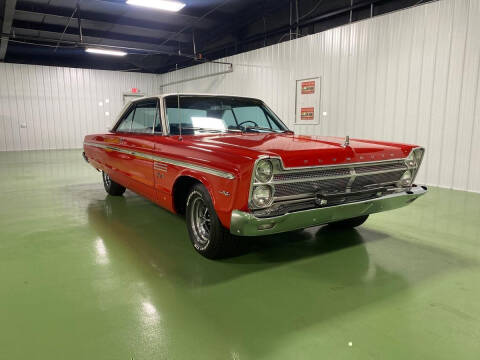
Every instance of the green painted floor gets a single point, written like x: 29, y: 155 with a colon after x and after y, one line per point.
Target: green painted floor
x: 87, y: 276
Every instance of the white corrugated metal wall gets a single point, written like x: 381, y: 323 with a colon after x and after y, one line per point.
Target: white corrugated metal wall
x: 44, y: 107
x: 410, y: 76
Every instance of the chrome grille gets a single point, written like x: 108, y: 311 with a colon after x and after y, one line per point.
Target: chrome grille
x: 381, y: 167
x: 312, y: 174
x: 312, y: 187
x: 339, y: 179
x: 377, y: 179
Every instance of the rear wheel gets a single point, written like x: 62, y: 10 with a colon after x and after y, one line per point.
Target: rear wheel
x: 349, y: 223
x: 111, y: 187
x: 207, y: 234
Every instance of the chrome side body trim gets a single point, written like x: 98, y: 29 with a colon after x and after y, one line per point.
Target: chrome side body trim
x: 219, y: 173
x: 247, y: 224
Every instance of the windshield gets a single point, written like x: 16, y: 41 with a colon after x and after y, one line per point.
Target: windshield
x: 203, y: 114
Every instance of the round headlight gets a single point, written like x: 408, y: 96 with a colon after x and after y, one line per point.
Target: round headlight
x: 410, y: 163
x: 415, y: 158
x: 262, y: 196
x: 406, y: 179
x: 264, y: 171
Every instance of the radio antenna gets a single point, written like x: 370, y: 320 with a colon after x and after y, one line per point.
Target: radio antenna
x: 179, y: 117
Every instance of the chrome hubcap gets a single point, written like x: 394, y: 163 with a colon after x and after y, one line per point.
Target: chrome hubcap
x: 200, y: 216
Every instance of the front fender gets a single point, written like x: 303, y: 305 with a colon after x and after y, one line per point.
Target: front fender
x: 221, y: 192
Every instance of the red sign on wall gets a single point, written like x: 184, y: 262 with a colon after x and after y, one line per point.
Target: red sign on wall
x: 308, y: 87
x: 307, y: 113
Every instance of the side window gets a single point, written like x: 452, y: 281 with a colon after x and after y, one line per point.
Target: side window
x: 125, y: 124
x: 185, y: 117
x: 146, y: 114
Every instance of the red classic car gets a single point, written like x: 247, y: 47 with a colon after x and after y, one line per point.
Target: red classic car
x: 234, y: 169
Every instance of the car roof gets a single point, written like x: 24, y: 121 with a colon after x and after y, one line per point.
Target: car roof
x: 161, y: 96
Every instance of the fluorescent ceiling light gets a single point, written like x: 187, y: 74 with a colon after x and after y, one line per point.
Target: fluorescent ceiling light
x: 106, y: 52
x: 158, y: 4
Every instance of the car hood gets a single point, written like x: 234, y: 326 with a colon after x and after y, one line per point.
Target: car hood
x: 299, y: 150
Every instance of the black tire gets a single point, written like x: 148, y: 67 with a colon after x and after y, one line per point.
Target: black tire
x: 207, y: 234
x: 111, y: 187
x: 349, y: 223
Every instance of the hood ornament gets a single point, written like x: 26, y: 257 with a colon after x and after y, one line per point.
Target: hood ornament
x: 347, y: 141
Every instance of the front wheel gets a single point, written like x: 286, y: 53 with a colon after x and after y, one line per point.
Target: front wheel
x: 111, y: 187
x: 349, y: 223
x: 207, y: 233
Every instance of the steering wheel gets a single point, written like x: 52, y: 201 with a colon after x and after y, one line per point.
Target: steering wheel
x: 248, y: 121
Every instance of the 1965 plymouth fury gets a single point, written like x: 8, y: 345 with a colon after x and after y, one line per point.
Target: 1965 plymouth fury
x: 234, y: 169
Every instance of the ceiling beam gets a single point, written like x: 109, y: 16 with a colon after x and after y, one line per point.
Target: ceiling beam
x: 284, y: 29
x: 243, y: 19
x: 108, y: 30
x: 7, y: 25
x: 169, y: 22
x: 48, y: 37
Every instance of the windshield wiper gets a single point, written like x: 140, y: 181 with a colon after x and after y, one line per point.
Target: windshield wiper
x: 247, y: 128
x: 202, y: 129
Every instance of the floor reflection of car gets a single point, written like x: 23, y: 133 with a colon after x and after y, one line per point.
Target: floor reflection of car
x: 127, y: 223
x: 319, y: 289
x: 233, y: 168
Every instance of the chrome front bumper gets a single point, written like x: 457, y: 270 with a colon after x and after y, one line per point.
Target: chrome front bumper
x: 246, y: 224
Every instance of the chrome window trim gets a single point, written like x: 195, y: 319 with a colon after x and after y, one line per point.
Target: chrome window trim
x: 167, y: 124
x: 131, y: 104
x: 187, y: 165
x: 163, y: 115
x: 120, y: 116
x: 277, y: 117
x: 125, y: 111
